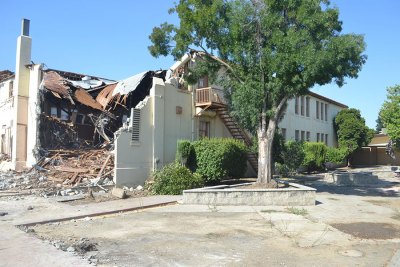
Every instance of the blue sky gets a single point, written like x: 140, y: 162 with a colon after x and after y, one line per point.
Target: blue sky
x: 109, y: 39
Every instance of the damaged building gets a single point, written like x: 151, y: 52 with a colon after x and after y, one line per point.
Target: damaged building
x: 54, y: 114
x: 135, y: 123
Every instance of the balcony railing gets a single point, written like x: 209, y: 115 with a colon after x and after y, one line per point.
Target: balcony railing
x: 209, y: 96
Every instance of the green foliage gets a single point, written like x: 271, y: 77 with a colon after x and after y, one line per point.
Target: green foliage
x: 270, y: 51
x: 219, y: 158
x: 390, y: 113
x: 379, y: 125
x: 351, y: 130
x: 172, y: 179
x: 336, y: 155
x: 297, y: 211
x: 293, y: 155
x: 183, y: 151
x: 314, y: 156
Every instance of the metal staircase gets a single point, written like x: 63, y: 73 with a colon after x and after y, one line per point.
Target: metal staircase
x: 238, y: 133
x: 212, y: 99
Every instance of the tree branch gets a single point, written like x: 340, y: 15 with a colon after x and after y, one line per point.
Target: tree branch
x: 219, y: 61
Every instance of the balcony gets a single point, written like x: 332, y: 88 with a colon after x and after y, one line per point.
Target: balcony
x: 209, y: 97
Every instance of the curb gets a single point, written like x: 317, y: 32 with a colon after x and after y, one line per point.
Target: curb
x: 98, y: 214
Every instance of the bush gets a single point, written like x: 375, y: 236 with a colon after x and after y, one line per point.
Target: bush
x: 183, y: 151
x: 219, y: 158
x: 173, y: 178
x: 336, y: 155
x: 293, y: 155
x: 314, y: 156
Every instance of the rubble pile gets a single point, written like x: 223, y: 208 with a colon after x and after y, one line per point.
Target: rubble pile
x: 72, y: 167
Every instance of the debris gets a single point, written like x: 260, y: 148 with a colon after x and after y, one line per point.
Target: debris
x: 139, y: 187
x: 3, y: 213
x: 30, y: 208
x: 118, y: 192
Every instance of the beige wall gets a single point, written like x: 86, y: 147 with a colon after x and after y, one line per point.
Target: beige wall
x: 167, y: 115
x: 370, y: 156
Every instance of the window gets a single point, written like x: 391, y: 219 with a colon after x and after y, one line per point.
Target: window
x: 326, y: 139
x: 302, y: 106
x: 302, y: 135
x: 203, y: 82
x: 204, y: 129
x: 326, y: 112
x: 80, y: 119
x: 296, y: 105
x: 307, y: 106
x: 308, y: 136
x: 317, y: 110
x: 53, y: 112
x: 322, y: 111
x: 296, y: 135
x: 283, y: 131
x: 11, y: 88
x: 64, y: 115
x: 322, y: 137
x: 317, y: 137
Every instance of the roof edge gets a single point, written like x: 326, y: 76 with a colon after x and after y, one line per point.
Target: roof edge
x: 331, y: 101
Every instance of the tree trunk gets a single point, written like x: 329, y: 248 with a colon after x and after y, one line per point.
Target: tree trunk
x: 266, y: 134
x: 265, y: 141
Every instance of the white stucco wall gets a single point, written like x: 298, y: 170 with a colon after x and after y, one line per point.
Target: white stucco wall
x: 7, y: 113
x: 133, y: 160
x: 292, y: 121
x: 33, y: 113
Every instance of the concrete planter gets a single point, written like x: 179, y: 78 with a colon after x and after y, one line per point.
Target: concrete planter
x: 294, y: 195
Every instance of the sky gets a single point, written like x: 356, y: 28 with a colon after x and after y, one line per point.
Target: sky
x: 109, y: 39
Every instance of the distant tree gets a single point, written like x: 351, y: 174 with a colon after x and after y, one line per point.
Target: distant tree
x: 351, y: 131
x: 390, y: 113
x: 270, y: 50
x: 379, y: 125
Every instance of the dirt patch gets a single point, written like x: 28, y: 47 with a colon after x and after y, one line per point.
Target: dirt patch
x: 369, y: 230
x: 271, y: 185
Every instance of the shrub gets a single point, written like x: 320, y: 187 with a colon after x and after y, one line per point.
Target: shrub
x: 219, y: 158
x: 314, y: 156
x: 173, y: 178
x: 293, y: 155
x: 336, y: 155
x: 183, y: 151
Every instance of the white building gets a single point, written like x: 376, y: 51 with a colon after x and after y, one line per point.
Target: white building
x: 310, y: 118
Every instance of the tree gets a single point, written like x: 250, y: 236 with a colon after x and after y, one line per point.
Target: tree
x: 390, y: 113
x: 270, y: 51
x: 351, y: 131
x: 379, y: 125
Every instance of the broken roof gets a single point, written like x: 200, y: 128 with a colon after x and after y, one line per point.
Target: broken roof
x: 5, y: 75
x: 79, y: 87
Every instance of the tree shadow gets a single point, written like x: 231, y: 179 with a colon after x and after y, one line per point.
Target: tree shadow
x: 382, y: 190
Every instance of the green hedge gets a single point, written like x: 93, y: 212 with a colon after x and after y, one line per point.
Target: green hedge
x: 183, y: 151
x: 336, y: 155
x: 314, y: 156
x: 218, y: 158
x: 172, y: 179
x: 293, y: 155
